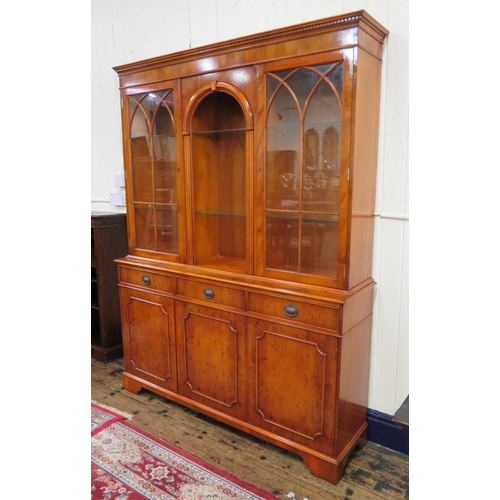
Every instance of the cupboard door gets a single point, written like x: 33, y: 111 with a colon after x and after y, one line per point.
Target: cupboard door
x: 148, y: 327
x: 292, y: 374
x: 211, y: 353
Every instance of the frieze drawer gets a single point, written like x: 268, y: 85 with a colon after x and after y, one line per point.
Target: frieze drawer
x: 211, y: 294
x: 303, y: 312
x: 147, y: 279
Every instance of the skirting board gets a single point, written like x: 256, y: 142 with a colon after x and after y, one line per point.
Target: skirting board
x: 383, y: 431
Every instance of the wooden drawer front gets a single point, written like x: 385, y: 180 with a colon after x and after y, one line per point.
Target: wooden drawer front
x: 147, y: 279
x: 211, y: 294
x: 303, y: 312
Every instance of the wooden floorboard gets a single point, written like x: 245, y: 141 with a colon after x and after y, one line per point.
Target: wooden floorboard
x: 372, y: 473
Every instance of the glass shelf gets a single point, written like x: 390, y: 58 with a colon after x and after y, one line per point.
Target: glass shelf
x: 148, y: 137
x: 219, y: 214
x: 306, y: 216
x: 219, y: 131
x: 307, y: 125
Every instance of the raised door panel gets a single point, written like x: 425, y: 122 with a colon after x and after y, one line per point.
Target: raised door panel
x: 149, y: 338
x: 211, y: 353
x: 292, y: 383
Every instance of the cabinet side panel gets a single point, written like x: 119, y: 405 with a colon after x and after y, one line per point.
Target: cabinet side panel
x: 363, y: 173
x: 354, y: 375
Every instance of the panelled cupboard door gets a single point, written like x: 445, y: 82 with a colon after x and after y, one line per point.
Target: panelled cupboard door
x: 211, y: 355
x: 148, y: 326
x: 292, y: 373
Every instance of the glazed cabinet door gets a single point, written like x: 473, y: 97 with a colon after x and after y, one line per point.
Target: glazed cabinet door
x: 153, y: 150
x: 211, y: 354
x: 148, y: 327
x: 292, y: 375
x: 307, y: 161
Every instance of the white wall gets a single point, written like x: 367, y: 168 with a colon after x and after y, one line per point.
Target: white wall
x: 125, y: 31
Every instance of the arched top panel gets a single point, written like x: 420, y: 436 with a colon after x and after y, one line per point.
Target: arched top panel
x: 216, y: 86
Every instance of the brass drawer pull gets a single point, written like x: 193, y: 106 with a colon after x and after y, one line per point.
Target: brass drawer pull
x: 208, y: 293
x: 290, y: 310
x: 146, y: 279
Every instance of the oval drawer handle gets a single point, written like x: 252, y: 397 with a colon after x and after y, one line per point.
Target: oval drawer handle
x: 146, y: 279
x: 208, y: 293
x: 290, y: 310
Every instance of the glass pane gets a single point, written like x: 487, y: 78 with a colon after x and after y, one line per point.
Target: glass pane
x: 166, y: 230
x: 164, y: 158
x: 142, y: 175
x: 154, y: 173
x: 282, y: 232
x: 219, y: 180
x: 319, y: 234
x: 144, y: 218
x: 283, y: 142
x: 303, y: 169
x: 321, y: 164
x: 282, y: 182
x: 334, y: 74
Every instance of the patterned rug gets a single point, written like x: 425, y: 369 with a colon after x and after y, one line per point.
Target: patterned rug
x: 130, y: 464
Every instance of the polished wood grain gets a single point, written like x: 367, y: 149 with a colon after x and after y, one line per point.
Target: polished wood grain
x: 148, y: 327
x: 311, y: 314
x: 212, y: 360
x: 363, y: 169
x: 261, y: 317
x: 209, y: 293
x: 371, y: 473
x: 149, y: 279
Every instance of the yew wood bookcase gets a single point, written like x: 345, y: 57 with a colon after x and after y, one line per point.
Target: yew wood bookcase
x: 250, y: 178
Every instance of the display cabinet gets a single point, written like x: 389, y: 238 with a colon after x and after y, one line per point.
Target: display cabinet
x: 250, y: 177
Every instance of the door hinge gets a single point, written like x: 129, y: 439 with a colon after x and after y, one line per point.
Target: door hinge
x: 345, y: 268
x: 348, y: 174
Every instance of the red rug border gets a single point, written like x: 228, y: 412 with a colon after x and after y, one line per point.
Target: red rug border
x: 116, y: 418
x: 198, y: 461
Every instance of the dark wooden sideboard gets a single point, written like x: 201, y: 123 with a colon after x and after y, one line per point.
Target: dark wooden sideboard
x: 108, y: 242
